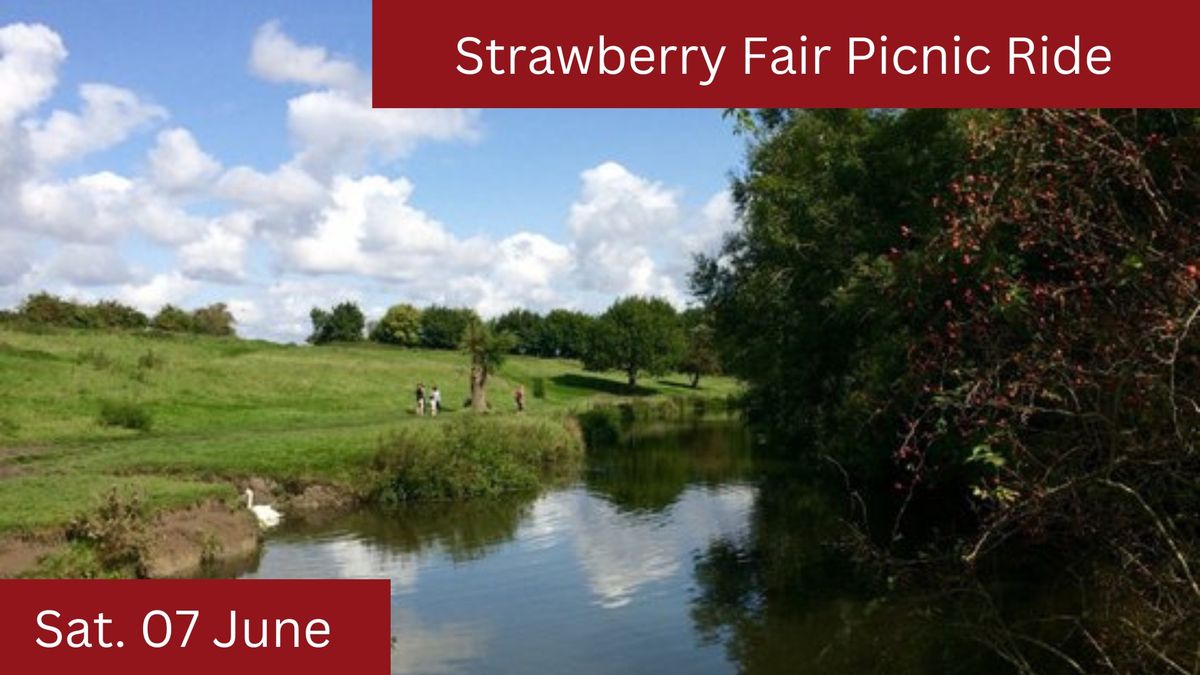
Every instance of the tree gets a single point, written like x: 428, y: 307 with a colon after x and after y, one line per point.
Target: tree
x: 565, y: 334
x: 345, y: 323
x: 171, y: 319
x: 525, y: 327
x: 400, y: 325
x: 215, y: 319
x: 700, y: 355
x: 636, y: 335
x: 443, y: 327
x: 486, y: 348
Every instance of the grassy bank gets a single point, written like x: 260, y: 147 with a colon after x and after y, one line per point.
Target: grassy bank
x: 183, y: 419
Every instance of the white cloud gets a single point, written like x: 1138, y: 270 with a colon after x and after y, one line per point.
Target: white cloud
x: 618, y: 217
x: 161, y: 289
x: 110, y: 114
x: 338, y: 130
x: 88, y: 265
x: 177, y: 164
x: 219, y: 255
x: 337, y: 222
x: 29, y: 58
x: 275, y: 57
x: 16, y: 254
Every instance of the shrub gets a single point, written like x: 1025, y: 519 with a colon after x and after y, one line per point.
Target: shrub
x: 112, y: 314
x: 539, y: 387
x: 473, y: 456
x: 171, y: 319
x: 125, y: 414
x: 150, y: 361
x: 115, y: 532
x: 94, y: 357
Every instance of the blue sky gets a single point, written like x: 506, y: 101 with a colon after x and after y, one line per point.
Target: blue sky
x: 232, y: 155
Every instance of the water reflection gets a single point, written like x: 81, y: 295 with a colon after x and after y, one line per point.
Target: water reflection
x: 679, y: 551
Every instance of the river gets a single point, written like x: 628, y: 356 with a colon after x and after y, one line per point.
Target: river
x: 679, y: 551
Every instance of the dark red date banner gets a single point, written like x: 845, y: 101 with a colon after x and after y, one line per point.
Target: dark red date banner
x: 196, y: 626
x: 625, y: 53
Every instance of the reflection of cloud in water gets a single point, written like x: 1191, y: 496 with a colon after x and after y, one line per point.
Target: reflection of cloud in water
x: 442, y: 649
x: 352, y: 558
x: 622, y: 552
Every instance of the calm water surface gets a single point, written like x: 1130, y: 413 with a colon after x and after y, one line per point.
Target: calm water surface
x: 664, y: 558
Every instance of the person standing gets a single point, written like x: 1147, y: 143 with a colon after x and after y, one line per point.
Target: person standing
x: 421, y: 399
x: 435, y: 401
x: 519, y: 397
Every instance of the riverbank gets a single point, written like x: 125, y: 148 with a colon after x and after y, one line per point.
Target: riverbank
x: 184, y: 421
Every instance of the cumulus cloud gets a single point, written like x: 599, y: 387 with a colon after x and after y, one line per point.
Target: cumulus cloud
x: 219, y: 255
x: 177, y: 164
x: 30, y: 55
x: 161, y: 289
x: 275, y: 57
x: 110, y: 114
x: 616, y: 223
x: 88, y: 265
x: 333, y: 220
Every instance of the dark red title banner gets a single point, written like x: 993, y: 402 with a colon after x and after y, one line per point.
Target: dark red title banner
x: 622, y: 53
x: 196, y: 626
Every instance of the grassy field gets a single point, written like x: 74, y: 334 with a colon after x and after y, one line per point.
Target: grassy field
x: 223, y: 410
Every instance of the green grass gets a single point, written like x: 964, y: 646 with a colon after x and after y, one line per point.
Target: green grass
x: 227, y: 409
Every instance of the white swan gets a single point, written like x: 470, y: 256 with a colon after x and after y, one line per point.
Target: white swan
x: 267, y: 516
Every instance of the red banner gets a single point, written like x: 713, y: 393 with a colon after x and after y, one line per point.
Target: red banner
x: 196, y: 626
x: 945, y: 53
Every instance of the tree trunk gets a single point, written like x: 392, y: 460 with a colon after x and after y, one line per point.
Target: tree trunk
x: 632, y: 374
x: 478, y: 389
x: 695, y: 380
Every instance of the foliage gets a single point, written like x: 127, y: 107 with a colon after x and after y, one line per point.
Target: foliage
x: 636, y: 335
x: 986, y: 319
x: 527, y: 329
x: 115, y: 532
x: 125, y: 414
x: 400, y: 325
x: 110, y: 314
x: 486, y: 347
x: 171, y: 319
x: 700, y: 356
x: 473, y: 456
x: 215, y: 319
x: 443, y: 327
x: 344, y: 323
x: 565, y: 334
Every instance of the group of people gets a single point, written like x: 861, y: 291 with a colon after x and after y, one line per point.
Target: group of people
x: 433, y: 400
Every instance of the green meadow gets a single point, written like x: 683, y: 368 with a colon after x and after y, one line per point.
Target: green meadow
x: 181, y: 419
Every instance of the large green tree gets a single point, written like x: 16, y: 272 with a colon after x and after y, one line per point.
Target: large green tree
x: 400, y: 325
x: 565, y: 333
x: 636, y: 335
x: 527, y: 329
x: 443, y: 327
x: 344, y: 323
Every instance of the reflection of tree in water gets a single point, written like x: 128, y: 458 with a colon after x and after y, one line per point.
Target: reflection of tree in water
x: 785, y: 601
x: 653, y: 465
x: 464, y: 530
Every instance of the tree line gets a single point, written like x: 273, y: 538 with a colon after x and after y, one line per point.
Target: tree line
x: 635, y: 335
x: 48, y: 310
x: 986, y: 321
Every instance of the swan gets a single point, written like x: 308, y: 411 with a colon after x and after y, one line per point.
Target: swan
x: 267, y: 516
